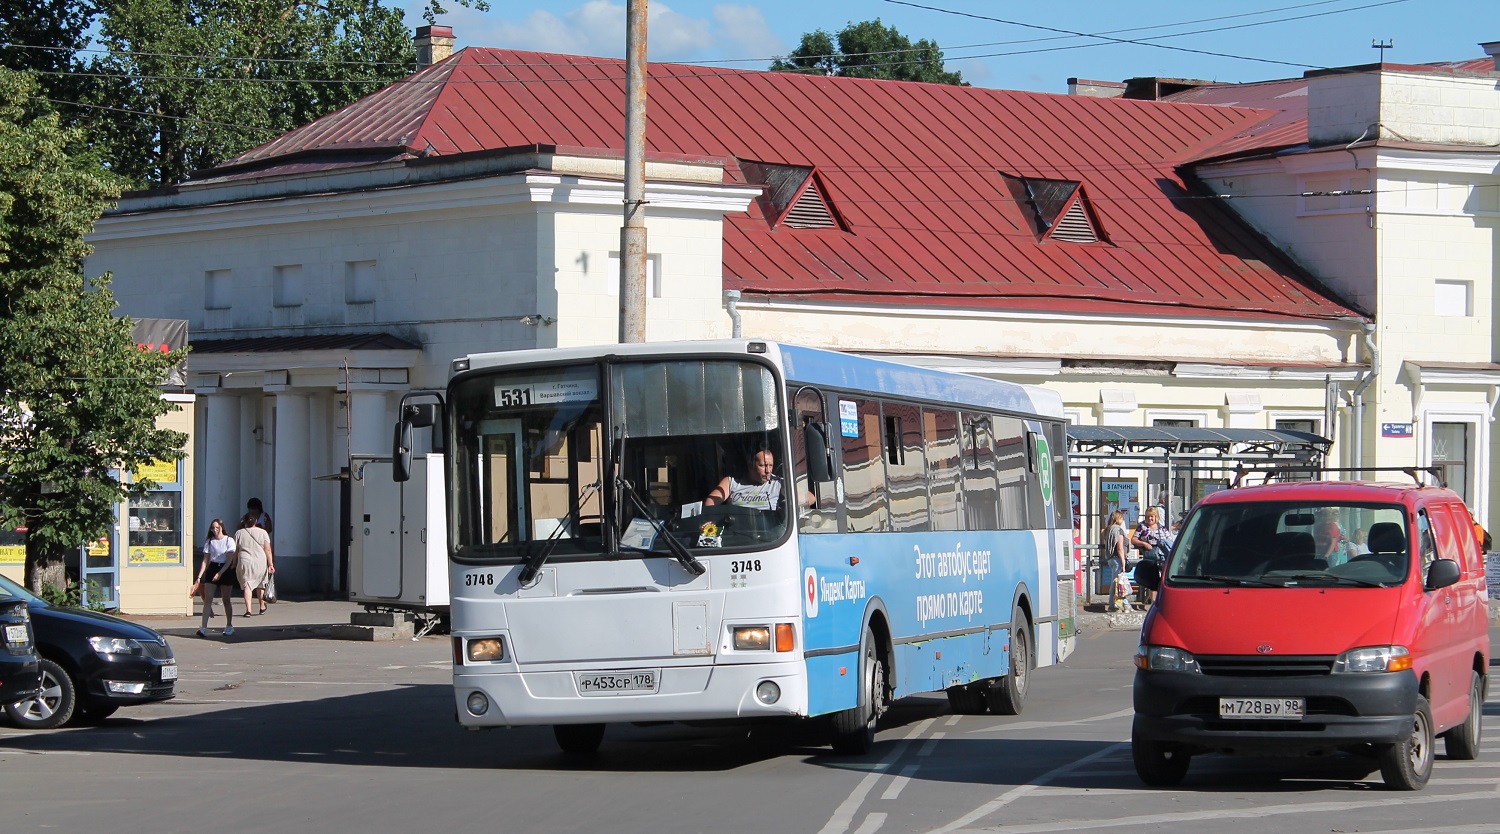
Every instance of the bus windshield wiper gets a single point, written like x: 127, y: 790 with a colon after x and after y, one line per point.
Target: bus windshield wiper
x: 534, y: 561
x: 683, y: 555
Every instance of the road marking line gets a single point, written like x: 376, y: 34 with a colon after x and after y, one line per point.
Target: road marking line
x: 930, y: 743
x: 1034, y: 725
x: 1021, y: 790
x: 1233, y: 813
x: 894, y: 789
x: 951, y: 721
x: 871, y: 824
x: 844, y: 814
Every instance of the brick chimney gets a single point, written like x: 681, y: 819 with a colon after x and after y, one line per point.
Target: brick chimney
x: 434, y: 43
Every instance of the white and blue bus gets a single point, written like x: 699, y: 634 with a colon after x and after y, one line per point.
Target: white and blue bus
x: 889, y: 530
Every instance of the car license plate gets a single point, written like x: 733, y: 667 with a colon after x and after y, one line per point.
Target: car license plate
x: 1284, y: 709
x: 618, y: 683
x: 169, y: 672
x: 15, y: 634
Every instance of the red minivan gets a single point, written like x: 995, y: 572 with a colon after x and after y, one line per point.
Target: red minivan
x: 1309, y: 617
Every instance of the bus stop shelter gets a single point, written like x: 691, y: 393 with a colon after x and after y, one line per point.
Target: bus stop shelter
x: 1130, y: 468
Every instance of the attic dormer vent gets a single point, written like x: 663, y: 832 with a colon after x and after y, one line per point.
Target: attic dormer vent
x: 810, y: 211
x: 1074, y: 226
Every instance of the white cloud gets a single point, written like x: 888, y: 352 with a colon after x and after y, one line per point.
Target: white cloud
x: 743, y: 32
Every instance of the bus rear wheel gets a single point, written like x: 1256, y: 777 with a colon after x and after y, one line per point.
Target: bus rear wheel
x: 579, y: 739
x: 854, y: 729
x: 1008, y: 695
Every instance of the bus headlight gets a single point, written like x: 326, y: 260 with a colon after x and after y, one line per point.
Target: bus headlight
x: 1373, y: 659
x: 486, y: 650
x: 752, y: 638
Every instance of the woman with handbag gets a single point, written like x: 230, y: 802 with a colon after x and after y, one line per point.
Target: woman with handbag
x: 254, y: 560
x: 217, y: 570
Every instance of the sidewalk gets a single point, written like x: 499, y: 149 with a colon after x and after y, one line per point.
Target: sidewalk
x: 311, y: 615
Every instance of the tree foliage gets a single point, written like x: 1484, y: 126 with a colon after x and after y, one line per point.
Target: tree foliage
x: 78, y: 400
x: 868, y: 50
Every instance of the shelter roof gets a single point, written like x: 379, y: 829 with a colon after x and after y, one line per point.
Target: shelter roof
x: 876, y: 192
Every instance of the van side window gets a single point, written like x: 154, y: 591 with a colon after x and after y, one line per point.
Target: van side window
x: 1426, y: 548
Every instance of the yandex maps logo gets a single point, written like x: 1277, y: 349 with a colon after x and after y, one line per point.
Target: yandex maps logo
x: 810, y: 592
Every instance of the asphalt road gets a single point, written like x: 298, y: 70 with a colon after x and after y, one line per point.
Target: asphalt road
x: 284, y: 729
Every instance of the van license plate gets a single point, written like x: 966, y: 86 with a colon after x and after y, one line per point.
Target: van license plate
x: 618, y: 683
x: 1285, y: 709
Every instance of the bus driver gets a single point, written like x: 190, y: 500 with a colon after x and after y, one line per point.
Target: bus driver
x: 761, y: 489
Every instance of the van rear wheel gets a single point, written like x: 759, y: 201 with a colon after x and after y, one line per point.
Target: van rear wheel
x: 1407, y: 764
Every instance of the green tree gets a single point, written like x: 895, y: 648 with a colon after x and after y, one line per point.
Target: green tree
x: 868, y: 50
x: 187, y: 84
x: 78, y: 400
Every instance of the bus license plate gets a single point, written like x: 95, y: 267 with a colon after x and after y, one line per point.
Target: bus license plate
x: 1285, y: 709
x: 15, y: 634
x: 618, y: 683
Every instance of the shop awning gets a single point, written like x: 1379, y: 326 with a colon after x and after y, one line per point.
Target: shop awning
x: 1230, y: 444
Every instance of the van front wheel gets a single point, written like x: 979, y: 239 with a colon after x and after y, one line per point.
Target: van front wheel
x: 1160, y: 764
x: 1407, y: 764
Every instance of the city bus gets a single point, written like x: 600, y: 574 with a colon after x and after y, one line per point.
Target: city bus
x: 741, y: 529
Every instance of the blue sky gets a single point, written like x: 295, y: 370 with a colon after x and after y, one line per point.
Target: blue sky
x: 1302, y: 34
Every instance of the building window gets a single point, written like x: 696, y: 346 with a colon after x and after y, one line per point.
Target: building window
x: 1174, y: 423
x: 1450, y: 454
x: 653, y: 275
x: 216, y: 289
x: 286, y: 288
x: 1453, y: 298
x: 359, y: 282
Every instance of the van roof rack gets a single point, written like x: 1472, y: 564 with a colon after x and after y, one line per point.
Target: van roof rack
x: 1272, y: 473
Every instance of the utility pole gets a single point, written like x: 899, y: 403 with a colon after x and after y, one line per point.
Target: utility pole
x: 633, y: 233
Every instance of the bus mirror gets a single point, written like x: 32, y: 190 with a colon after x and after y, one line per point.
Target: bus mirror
x: 420, y: 415
x: 815, y: 441
x: 401, y: 453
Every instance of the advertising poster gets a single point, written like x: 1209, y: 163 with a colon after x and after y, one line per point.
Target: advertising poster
x: 1204, y: 487
x: 12, y: 554
x: 160, y: 471
x: 1075, y: 491
x: 1120, y: 494
x: 155, y: 555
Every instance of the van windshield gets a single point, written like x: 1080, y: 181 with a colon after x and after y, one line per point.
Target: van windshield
x: 1292, y: 543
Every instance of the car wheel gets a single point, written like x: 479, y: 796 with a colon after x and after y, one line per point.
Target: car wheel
x: 53, y: 707
x: 1160, y: 764
x: 1008, y: 695
x: 1407, y: 764
x: 854, y: 729
x: 579, y: 739
x: 1462, y: 742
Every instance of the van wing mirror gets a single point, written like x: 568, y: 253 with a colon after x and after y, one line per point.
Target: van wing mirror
x: 819, y: 462
x: 1440, y: 574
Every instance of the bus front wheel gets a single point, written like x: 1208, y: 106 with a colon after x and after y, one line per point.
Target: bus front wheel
x: 579, y: 738
x: 854, y: 729
x: 1008, y: 695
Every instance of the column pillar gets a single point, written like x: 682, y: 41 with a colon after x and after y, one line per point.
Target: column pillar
x: 293, y: 481
x: 218, y: 451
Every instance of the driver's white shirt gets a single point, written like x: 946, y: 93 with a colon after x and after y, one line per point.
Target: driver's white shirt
x: 766, y: 496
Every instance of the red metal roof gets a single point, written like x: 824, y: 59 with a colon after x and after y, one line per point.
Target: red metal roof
x: 913, y: 171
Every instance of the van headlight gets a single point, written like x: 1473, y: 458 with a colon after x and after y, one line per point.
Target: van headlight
x: 1166, y: 659
x: 1373, y: 659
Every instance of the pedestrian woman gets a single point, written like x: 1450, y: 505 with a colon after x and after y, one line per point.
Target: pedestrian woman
x: 1150, y: 537
x: 1116, y: 542
x: 254, y: 560
x: 217, y: 571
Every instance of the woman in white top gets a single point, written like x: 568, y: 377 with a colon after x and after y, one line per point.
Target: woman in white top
x: 217, y: 571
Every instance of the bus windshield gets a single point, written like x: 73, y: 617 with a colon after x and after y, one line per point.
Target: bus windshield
x: 616, y: 458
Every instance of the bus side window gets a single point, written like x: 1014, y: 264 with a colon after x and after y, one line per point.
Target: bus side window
x: 981, y: 483
x: 1012, y: 460
x: 864, y: 470
x: 906, y: 468
x: 822, y: 516
x: 944, y: 473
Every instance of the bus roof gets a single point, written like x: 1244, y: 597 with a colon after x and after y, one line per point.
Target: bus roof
x: 820, y: 367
